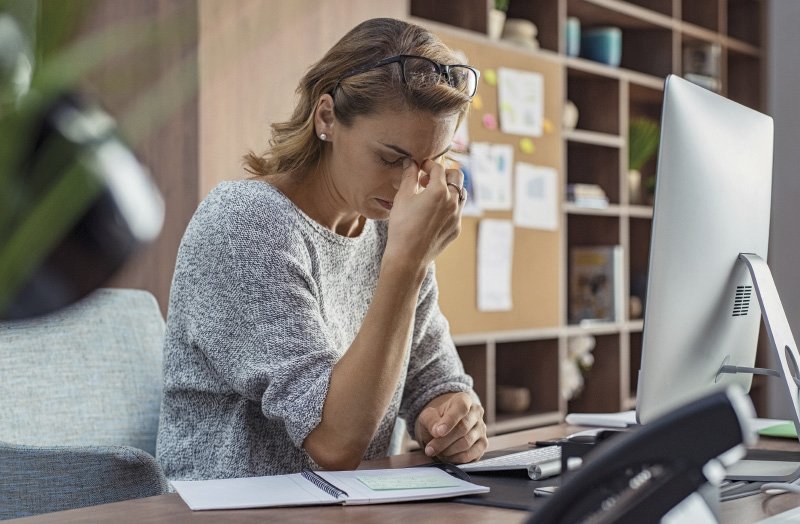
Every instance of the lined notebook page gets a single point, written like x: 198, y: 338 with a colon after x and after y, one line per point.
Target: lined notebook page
x: 252, y: 492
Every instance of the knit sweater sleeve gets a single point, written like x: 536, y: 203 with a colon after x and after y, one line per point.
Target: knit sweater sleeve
x: 434, y: 365
x: 250, y: 308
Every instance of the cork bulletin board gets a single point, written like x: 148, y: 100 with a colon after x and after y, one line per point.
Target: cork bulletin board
x: 536, y: 265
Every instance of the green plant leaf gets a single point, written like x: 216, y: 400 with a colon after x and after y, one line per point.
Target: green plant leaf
x: 643, y: 135
x: 40, y: 204
x: 45, y: 224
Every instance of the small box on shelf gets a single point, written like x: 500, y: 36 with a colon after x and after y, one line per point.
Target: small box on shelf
x: 701, y: 64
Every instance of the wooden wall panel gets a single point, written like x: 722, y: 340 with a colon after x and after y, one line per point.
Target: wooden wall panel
x: 169, y: 150
x: 253, y: 54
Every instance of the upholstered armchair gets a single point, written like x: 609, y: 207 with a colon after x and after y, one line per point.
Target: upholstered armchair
x: 80, y: 393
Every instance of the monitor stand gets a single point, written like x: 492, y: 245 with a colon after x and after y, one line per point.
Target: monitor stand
x: 785, y: 351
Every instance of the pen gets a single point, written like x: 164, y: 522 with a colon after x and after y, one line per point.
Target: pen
x: 544, y: 470
x: 451, y: 468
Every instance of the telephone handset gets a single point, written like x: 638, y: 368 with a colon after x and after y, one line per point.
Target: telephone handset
x: 639, y: 476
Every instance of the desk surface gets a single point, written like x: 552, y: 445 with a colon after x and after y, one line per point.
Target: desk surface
x: 171, y: 509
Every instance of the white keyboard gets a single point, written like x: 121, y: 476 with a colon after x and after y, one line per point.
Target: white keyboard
x: 538, y: 462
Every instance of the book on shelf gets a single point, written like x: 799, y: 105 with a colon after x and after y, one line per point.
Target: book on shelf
x: 587, y: 195
x: 319, y: 488
x: 596, y: 287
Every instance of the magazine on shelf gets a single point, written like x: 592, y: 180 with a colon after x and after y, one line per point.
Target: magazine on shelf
x: 596, y: 287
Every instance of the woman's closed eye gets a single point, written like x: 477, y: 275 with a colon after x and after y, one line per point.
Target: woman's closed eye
x: 392, y: 163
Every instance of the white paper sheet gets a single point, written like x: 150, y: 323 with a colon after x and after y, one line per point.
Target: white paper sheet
x: 536, y: 197
x: 495, y: 254
x: 492, y: 166
x: 520, y: 97
x: 251, y: 492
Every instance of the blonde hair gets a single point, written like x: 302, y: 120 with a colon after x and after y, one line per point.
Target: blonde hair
x: 294, y: 146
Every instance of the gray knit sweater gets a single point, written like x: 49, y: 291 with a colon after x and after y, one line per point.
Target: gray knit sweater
x: 264, y: 302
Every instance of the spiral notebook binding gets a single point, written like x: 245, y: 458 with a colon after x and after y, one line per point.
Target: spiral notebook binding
x: 323, y: 484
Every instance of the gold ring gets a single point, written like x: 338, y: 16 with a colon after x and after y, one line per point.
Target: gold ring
x: 462, y: 193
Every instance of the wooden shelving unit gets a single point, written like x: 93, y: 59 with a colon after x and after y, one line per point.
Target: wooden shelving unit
x: 654, y: 35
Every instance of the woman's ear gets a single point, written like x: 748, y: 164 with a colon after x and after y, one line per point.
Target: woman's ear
x: 324, y: 117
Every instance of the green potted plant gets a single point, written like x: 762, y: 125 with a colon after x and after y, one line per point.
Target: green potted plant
x: 643, y: 135
x: 66, y: 174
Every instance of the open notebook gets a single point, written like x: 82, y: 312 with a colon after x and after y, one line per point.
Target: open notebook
x: 309, y: 488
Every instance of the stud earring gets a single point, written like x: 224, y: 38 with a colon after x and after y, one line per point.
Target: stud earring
x: 323, y: 136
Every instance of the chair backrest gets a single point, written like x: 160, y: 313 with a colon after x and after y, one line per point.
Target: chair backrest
x: 87, y: 375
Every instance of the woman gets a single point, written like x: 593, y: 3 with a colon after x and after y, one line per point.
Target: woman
x: 303, y: 316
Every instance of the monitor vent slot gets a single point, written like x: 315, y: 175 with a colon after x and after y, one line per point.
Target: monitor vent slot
x: 741, y: 302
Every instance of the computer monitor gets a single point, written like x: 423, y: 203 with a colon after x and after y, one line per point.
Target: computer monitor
x: 712, y: 202
x: 702, y: 310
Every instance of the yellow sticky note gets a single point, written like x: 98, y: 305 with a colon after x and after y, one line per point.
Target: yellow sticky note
x: 490, y: 76
x: 477, y: 102
x: 526, y: 146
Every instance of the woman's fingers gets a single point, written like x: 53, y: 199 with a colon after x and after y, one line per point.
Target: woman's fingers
x: 409, y: 183
x: 450, y: 179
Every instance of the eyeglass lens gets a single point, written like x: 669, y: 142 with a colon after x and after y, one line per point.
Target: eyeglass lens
x: 422, y: 72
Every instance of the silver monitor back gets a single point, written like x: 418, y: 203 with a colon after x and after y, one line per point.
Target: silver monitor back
x: 712, y: 202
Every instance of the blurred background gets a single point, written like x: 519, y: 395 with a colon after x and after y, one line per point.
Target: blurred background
x: 208, y: 78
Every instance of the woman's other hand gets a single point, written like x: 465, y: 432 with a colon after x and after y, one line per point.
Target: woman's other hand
x: 451, y: 427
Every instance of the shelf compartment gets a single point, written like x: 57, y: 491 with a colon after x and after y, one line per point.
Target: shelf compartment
x: 744, y: 21
x: 474, y: 358
x: 742, y: 69
x: 585, y: 230
x: 466, y: 14
x: 646, y: 34
x: 545, y: 16
x: 701, y: 63
x: 647, y: 51
x: 601, y: 389
x: 703, y: 13
x: 597, y: 100
x: 592, y: 164
x: 534, y: 365
x: 645, y: 101
x: 625, y: 15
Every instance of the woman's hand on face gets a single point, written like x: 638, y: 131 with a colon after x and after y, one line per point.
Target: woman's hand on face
x: 451, y: 427
x: 425, y: 217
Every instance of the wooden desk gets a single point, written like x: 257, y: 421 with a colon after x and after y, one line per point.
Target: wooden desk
x: 171, y: 509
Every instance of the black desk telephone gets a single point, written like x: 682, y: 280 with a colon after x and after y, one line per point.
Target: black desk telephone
x: 637, y: 477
